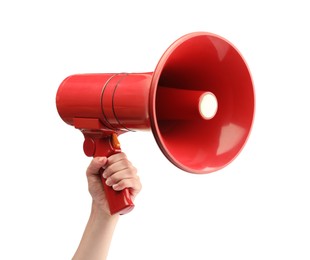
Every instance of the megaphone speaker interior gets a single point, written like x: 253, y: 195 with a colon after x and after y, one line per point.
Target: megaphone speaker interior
x: 199, y: 104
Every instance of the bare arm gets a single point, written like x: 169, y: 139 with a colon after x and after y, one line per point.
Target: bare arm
x: 98, y: 233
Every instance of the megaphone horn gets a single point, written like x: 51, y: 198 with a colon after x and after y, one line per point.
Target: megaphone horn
x: 199, y: 103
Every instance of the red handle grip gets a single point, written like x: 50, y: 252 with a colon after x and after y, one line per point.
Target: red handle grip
x: 119, y: 201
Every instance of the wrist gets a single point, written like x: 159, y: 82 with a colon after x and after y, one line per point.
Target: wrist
x: 99, y: 213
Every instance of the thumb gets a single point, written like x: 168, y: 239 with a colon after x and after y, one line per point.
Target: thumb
x: 95, y: 165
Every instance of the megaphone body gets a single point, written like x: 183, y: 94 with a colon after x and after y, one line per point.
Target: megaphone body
x: 198, y: 102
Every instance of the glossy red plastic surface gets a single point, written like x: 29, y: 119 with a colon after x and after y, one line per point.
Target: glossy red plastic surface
x: 167, y: 102
x: 119, y: 101
x: 202, y: 62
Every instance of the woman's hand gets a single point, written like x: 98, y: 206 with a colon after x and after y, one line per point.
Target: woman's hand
x: 118, y: 172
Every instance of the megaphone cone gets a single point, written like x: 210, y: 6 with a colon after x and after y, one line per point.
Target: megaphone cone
x: 193, y: 66
x: 199, y: 104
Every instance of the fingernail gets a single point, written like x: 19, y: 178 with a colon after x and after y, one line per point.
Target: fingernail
x: 115, y: 187
x: 108, y: 182
x: 100, y: 159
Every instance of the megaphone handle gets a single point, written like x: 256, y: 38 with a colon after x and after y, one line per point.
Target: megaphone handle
x: 119, y: 201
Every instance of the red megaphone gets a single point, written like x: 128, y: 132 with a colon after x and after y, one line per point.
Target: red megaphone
x: 199, y: 104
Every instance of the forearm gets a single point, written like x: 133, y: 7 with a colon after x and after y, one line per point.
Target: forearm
x: 97, y: 236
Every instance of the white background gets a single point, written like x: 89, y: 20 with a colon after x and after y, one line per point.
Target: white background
x: 255, y: 208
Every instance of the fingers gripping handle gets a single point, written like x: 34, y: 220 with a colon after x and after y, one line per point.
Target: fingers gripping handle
x: 119, y: 201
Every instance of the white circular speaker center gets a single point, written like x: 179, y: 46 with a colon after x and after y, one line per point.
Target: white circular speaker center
x: 208, y: 105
